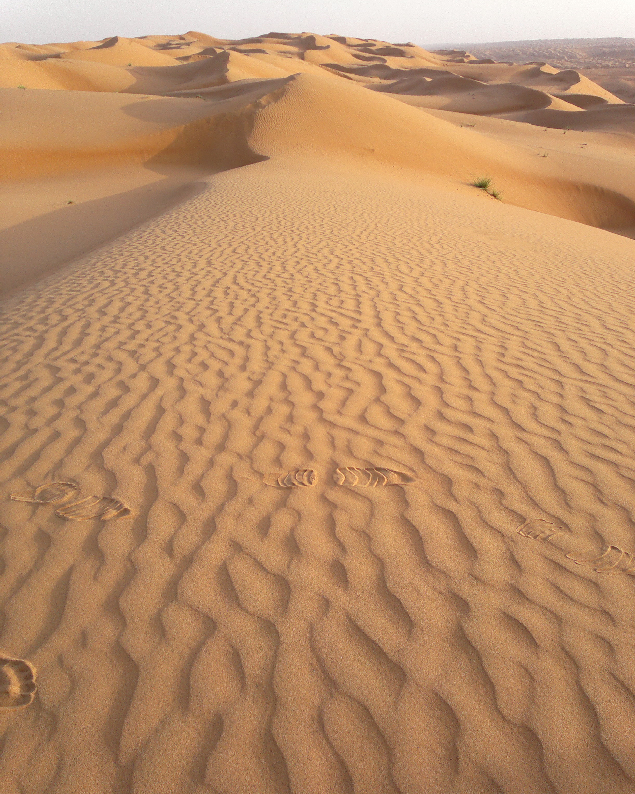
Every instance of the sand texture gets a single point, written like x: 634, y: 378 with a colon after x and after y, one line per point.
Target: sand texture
x: 317, y: 461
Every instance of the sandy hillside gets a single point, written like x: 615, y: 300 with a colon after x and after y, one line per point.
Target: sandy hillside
x: 318, y: 461
x: 610, y: 63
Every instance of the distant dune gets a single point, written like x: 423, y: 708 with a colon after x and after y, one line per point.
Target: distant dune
x: 610, y: 63
x: 318, y: 428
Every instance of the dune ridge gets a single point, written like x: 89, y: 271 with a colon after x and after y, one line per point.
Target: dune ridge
x: 316, y: 467
x: 58, y: 66
x: 230, y: 125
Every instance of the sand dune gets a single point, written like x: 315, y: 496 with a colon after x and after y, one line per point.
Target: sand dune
x: 272, y: 55
x: 567, y: 81
x: 463, y: 95
x: 620, y: 82
x: 123, y: 52
x: 225, y: 67
x: 313, y: 115
x: 540, y: 76
x: 160, y: 134
x: 609, y: 118
x: 85, y: 129
x: 66, y: 75
x: 386, y: 72
x: 607, y: 62
x: 317, y: 460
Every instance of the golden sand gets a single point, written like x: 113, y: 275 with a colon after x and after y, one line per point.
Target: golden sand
x: 318, y: 462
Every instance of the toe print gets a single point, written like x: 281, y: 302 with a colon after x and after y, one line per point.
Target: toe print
x: 17, y: 683
x: 297, y: 478
x: 371, y: 477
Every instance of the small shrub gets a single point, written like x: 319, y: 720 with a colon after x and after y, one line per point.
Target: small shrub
x: 22, y: 86
x: 485, y: 183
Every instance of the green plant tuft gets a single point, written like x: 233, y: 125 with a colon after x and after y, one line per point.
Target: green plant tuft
x: 485, y: 183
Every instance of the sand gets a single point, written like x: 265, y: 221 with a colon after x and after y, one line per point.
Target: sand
x: 317, y: 460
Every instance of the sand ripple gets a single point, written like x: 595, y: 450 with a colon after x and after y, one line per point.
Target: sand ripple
x: 228, y: 636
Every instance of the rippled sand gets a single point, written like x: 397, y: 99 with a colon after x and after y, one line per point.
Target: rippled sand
x: 322, y: 478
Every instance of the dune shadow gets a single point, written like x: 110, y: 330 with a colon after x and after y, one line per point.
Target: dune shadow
x: 193, y: 139
x: 39, y: 246
x: 211, y: 135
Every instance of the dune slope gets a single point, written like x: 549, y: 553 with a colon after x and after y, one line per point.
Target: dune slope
x: 239, y: 122
x: 332, y: 637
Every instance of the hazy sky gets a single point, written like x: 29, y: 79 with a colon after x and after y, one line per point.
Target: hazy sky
x: 431, y: 22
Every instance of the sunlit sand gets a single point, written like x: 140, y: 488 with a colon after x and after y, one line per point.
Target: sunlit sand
x: 318, y: 461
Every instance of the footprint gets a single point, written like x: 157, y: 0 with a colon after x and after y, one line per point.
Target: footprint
x: 611, y: 559
x: 371, y: 477
x: 89, y: 507
x: 51, y: 493
x: 17, y: 683
x: 297, y: 478
x: 539, y: 529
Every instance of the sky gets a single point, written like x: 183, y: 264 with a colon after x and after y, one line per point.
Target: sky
x: 424, y: 22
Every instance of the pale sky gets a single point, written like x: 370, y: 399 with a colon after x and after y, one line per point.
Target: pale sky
x: 434, y: 22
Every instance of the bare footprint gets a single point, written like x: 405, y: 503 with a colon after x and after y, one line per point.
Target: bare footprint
x: 53, y: 493
x: 612, y: 559
x: 17, y: 683
x: 90, y: 507
x: 296, y: 478
x: 371, y: 477
x: 539, y: 529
